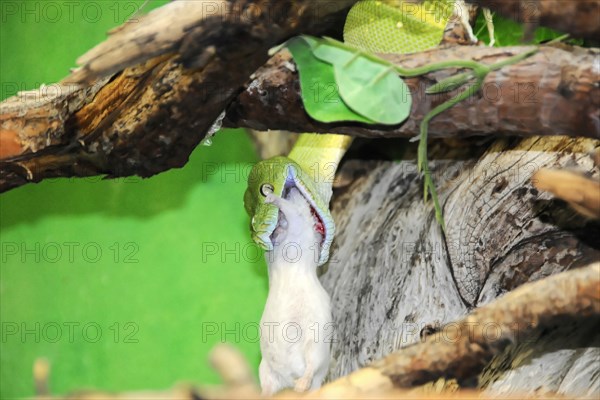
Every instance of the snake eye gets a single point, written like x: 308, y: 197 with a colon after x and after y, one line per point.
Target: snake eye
x: 266, y: 188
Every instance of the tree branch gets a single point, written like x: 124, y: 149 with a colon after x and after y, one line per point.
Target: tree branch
x: 462, y: 349
x: 459, y: 350
x: 149, y: 117
x: 145, y: 120
x: 553, y: 92
x: 581, y: 192
x: 195, y: 58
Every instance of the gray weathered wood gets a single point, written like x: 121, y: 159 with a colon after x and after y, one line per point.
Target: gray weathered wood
x: 394, y: 272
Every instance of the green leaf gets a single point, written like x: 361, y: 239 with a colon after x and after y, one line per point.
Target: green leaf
x: 374, y: 91
x: 330, y: 50
x: 318, y: 86
x: 369, y: 87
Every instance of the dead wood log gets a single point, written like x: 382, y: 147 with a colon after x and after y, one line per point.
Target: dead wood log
x: 393, y: 272
x: 554, y: 92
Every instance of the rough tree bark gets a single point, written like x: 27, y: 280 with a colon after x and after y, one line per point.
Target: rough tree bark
x: 145, y: 120
x: 190, y: 58
x: 394, y: 272
x: 554, y: 92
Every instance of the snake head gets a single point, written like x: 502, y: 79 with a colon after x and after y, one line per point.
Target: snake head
x: 278, y: 175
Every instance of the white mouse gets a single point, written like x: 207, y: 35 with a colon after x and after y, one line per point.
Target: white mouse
x: 296, y: 326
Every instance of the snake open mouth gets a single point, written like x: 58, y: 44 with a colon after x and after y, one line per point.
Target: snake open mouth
x: 282, y: 223
x: 319, y: 225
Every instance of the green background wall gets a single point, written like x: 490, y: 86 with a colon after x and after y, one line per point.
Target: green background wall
x: 121, y: 284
